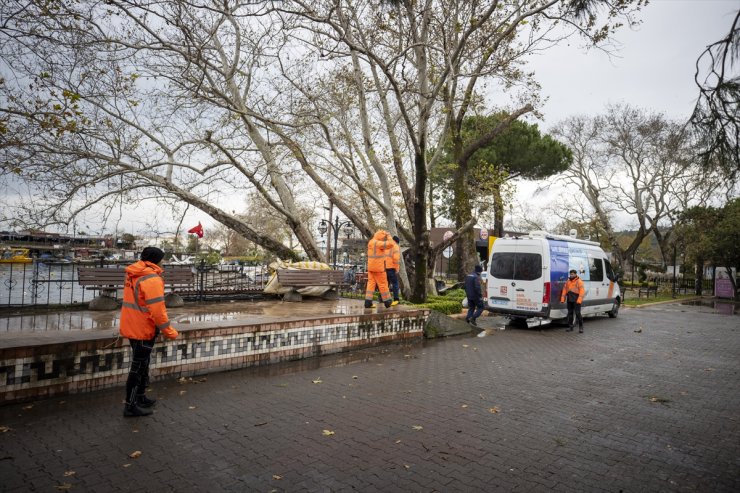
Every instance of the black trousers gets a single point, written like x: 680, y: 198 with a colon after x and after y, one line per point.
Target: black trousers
x: 574, y: 308
x: 138, y: 374
x: 392, y: 282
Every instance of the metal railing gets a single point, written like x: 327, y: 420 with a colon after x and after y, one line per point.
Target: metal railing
x: 57, y: 284
x: 48, y: 284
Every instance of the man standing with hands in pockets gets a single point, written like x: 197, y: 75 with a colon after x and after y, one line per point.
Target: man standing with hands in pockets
x: 572, y: 293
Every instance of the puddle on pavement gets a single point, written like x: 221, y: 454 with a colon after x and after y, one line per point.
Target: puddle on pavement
x: 61, y: 321
x: 64, y: 320
x: 716, y: 306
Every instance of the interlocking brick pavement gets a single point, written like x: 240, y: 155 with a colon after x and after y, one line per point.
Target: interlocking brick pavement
x: 614, y: 409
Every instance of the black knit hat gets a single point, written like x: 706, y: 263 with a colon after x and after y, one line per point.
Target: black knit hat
x: 152, y: 254
x: 478, y: 268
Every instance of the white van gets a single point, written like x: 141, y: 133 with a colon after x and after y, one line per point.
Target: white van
x: 526, y: 276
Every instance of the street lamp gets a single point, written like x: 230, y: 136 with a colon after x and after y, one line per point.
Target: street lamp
x: 346, y: 226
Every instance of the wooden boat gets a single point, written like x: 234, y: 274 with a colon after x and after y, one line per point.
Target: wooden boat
x: 15, y: 256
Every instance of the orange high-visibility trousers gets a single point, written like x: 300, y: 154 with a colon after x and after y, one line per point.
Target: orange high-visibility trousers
x: 379, y: 279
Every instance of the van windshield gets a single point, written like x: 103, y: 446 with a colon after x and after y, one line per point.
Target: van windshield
x: 516, y: 266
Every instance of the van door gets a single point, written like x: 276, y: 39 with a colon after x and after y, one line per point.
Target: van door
x: 598, y: 286
x: 515, y: 282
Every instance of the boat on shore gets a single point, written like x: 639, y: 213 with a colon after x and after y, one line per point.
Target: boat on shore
x: 15, y: 256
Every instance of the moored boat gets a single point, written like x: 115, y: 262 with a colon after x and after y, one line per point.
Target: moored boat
x: 15, y: 256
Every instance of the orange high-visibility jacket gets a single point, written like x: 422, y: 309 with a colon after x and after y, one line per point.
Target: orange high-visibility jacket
x: 379, y: 250
x: 395, y: 257
x: 143, y: 313
x: 576, y: 286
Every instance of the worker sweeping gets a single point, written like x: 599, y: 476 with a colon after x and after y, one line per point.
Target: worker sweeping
x: 379, y: 257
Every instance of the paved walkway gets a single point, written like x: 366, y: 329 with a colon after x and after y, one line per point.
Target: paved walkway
x: 646, y: 402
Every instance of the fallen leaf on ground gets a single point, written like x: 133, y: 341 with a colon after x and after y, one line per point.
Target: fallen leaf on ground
x: 276, y: 477
x: 30, y: 406
x: 407, y: 466
x: 135, y: 454
x: 465, y: 345
x: 494, y: 410
x: 183, y: 392
x: 318, y: 380
x: 661, y: 400
x: 327, y: 433
x: 126, y: 465
x: 4, y: 429
x: 69, y: 473
x: 398, y: 441
x: 464, y: 406
x: 355, y: 377
x: 417, y: 427
x: 191, y: 407
x: 63, y: 486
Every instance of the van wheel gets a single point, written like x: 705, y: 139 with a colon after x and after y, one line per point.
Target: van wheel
x: 615, y: 309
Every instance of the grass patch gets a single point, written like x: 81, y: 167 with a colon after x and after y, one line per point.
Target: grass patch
x: 654, y: 299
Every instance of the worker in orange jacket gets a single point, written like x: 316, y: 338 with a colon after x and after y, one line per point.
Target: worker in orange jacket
x: 379, y: 252
x: 393, y: 269
x: 573, y: 292
x: 143, y: 317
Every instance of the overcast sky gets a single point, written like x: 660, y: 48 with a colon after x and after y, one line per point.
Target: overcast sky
x: 654, y: 68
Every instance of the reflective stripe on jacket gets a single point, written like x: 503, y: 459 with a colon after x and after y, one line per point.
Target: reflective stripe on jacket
x: 379, y: 250
x: 143, y: 313
x: 575, y: 286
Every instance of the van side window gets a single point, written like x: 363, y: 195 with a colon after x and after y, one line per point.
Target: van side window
x: 609, y: 271
x: 596, y: 269
x: 502, y: 265
x: 516, y: 266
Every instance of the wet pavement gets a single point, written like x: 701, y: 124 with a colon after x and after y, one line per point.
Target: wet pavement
x: 644, y: 402
x: 263, y: 309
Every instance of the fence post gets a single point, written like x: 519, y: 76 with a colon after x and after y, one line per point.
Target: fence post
x: 201, y: 281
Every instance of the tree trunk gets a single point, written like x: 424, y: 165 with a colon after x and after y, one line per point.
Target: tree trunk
x: 498, y: 212
x: 699, y: 276
x: 420, y: 247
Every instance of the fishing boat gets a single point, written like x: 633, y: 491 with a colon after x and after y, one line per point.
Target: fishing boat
x: 15, y: 256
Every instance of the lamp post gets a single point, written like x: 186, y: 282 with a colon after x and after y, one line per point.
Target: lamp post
x: 325, y: 226
x: 673, y: 294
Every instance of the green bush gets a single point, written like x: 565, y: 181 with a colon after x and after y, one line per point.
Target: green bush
x: 447, y: 307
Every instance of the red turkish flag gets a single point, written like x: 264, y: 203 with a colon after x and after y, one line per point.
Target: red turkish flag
x: 197, y: 230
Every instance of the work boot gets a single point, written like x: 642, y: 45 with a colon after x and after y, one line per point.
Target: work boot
x: 395, y: 302
x: 134, y: 411
x: 369, y: 304
x: 569, y: 329
x: 143, y: 401
x: 580, y: 330
x: 473, y: 322
x: 387, y: 303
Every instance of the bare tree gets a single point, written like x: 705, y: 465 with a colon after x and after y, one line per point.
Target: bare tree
x: 132, y: 99
x: 633, y: 163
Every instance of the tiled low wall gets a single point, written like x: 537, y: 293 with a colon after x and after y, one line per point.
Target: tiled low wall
x: 47, y: 369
